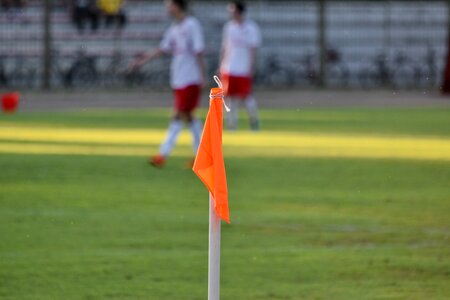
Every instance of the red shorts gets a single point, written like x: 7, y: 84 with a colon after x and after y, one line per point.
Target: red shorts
x: 236, y: 86
x: 187, y: 98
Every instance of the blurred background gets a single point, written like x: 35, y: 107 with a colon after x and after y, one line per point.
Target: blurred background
x: 344, y: 193
x: 334, y: 44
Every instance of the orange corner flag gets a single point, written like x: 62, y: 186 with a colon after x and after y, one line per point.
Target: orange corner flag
x: 209, y: 165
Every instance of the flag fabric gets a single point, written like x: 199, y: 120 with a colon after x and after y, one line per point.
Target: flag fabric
x: 209, y: 165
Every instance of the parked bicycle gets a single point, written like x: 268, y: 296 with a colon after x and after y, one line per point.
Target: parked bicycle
x: 306, y: 70
x: 16, y: 70
x: 401, y: 72
x: 81, y: 72
x: 3, y: 72
x: 273, y: 72
x: 427, y: 73
x: 115, y: 71
x: 337, y: 72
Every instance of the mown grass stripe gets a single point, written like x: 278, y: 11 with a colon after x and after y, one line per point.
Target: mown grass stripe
x: 425, y: 153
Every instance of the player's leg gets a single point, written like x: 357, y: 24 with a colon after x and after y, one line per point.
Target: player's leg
x: 79, y: 16
x: 251, y: 106
x: 186, y: 108
x: 252, y: 111
x: 94, y: 19
x: 175, y: 127
x: 196, y: 129
x: 195, y: 125
x: 231, y: 87
x: 232, y: 115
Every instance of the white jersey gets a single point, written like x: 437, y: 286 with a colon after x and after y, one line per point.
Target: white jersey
x: 184, y: 40
x: 239, y: 39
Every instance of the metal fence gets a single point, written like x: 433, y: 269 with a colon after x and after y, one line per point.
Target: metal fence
x: 337, y: 44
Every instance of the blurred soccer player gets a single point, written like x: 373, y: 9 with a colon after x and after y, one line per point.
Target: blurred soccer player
x: 184, y: 40
x: 241, y: 38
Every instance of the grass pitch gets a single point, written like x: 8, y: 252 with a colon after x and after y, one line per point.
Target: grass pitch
x: 85, y: 218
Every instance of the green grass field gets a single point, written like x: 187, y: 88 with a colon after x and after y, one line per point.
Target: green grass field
x: 81, y: 220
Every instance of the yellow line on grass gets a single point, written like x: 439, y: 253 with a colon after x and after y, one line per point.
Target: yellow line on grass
x: 138, y: 142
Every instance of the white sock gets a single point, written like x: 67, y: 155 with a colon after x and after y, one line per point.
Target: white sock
x: 174, y: 130
x: 196, y: 129
x: 232, y: 115
x: 252, y: 108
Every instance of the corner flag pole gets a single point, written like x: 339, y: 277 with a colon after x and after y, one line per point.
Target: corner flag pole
x: 214, y: 253
x: 210, y: 168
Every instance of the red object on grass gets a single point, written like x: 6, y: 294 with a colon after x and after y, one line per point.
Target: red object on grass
x: 10, y: 101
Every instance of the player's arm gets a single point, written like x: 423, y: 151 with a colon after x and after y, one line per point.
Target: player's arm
x: 201, y: 66
x: 222, y: 48
x: 221, y: 56
x: 165, y: 47
x: 146, y: 57
x: 253, y: 52
x: 255, y: 42
x: 199, y: 49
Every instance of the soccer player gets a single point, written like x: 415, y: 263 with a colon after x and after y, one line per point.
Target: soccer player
x: 184, y: 40
x: 241, y: 38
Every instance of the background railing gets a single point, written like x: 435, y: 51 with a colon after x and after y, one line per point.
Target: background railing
x: 337, y: 44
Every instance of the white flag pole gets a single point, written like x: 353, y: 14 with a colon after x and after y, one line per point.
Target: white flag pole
x: 214, y: 253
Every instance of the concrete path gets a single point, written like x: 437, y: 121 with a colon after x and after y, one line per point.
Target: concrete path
x: 295, y: 99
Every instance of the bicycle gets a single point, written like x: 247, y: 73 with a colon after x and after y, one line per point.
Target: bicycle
x: 115, y: 71
x: 273, y: 72
x: 401, y: 73
x: 428, y: 75
x: 4, y: 80
x: 337, y: 72
x: 19, y: 73
x: 81, y: 72
x: 306, y: 70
